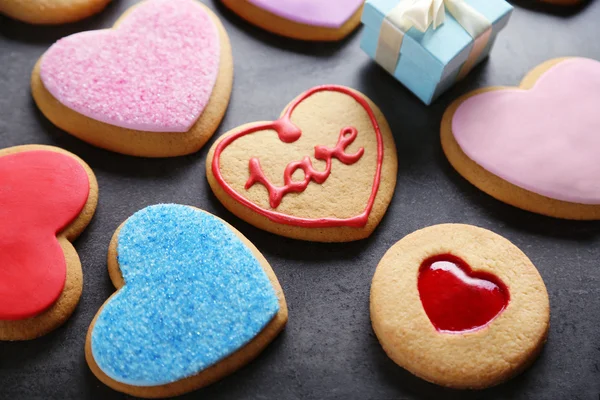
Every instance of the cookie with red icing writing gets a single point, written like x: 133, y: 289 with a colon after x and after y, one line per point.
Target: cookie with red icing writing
x: 536, y: 146
x: 316, y: 20
x: 324, y: 171
x: 459, y: 306
x: 47, y: 198
x: 50, y: 12
x: 156, y: 85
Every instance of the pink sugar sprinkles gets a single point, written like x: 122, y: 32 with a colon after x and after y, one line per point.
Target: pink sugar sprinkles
x: 154, y: 72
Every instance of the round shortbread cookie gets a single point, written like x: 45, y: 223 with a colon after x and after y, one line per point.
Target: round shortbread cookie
x: 156, y: 85
x: 459, y: 306
x: 324, y: 171
x: 47, y: 198
x: 195, y: 301
x: 50, y: 12
x: 314, y: 20
x: 536, y: 146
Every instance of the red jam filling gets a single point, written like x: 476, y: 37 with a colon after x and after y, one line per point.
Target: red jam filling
x: 457, y: 299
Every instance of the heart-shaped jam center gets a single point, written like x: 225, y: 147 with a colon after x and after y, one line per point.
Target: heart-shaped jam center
x: 457, y: 299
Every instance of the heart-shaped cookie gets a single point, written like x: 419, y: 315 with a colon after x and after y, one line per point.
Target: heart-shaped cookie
x: 324, y: 171
x: 195, y: 301
x: 458, y: 299
x: 535, y: 147
x: 47, y: 198
x: 454, y: 303
x: 157, y: 84
x: 50, y: 12
x: 306, y: 20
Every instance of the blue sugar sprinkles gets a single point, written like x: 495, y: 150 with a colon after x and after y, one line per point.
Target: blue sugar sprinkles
x: 194, y: 294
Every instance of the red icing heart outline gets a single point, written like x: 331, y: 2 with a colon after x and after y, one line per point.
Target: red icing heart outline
x: 288, y: 133
x: 41, y: 193
x: 457, y: 299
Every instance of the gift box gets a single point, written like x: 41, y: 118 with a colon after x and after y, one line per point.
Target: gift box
x: 430, y: 44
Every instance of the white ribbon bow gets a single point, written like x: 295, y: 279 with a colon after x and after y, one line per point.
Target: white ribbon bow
x: 422, y: 14
x: 419, y: 13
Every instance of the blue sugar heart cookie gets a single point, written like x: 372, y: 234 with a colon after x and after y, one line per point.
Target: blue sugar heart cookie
x: 194, y: 293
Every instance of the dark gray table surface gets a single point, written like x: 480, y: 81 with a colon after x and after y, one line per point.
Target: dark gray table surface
x: 328, y: 350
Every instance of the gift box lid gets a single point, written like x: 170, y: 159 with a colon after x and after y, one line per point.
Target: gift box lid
x: 436, y: 48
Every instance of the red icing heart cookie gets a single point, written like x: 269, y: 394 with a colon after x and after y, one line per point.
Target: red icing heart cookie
x: 47, y: 197
x: 324, y: 171
x: 452, y: 303
x: 458, y: 299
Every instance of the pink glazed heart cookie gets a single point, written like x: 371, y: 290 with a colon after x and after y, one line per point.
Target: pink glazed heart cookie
x: 324, y: 171
x: 316, y: 20
x: 535, y: 147
x: 156, y: 85
x: 459, y: 306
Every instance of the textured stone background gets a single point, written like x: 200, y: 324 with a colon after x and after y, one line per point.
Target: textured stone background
x: 328, y: 350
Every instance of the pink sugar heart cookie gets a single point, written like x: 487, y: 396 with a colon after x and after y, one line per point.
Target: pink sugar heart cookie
x: 317, y: 20
x: 535, y: 147
x: 324, y: 171
x: 155, y: 85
